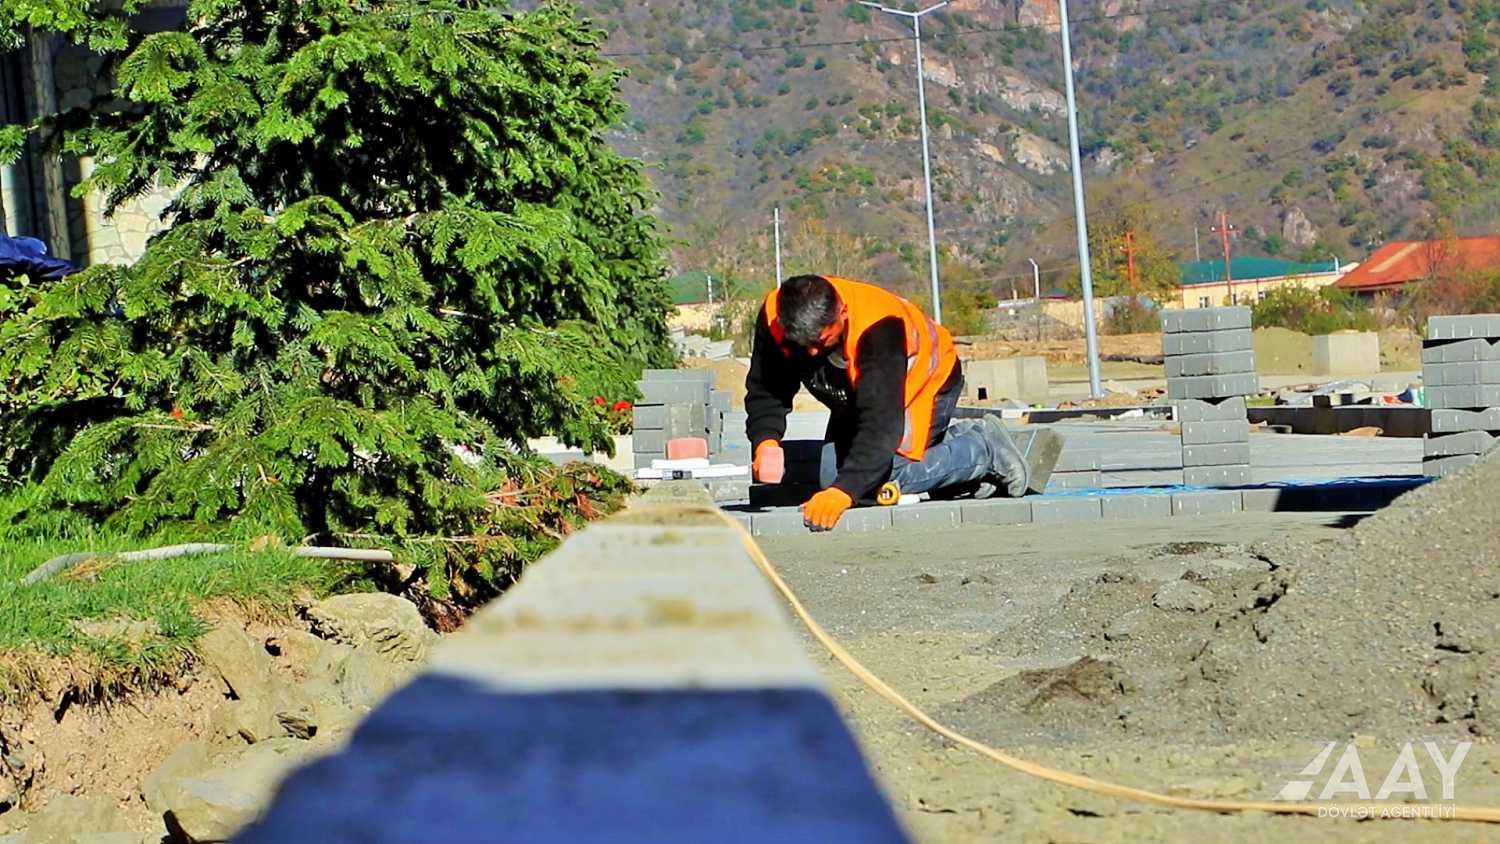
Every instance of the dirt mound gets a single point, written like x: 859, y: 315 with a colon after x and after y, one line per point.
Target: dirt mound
x: 1393, y: 630
x: 1282, y: 351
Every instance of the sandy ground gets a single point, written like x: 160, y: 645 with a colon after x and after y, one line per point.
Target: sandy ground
x: 987, y: 634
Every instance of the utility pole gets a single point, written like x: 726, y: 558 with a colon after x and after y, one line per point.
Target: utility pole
x: 1224, y: 229
x: 916, y: 29
x: 710, y: 277
x: 776, y: 222
x: 1080, y: 213
x: 1130, y: 278
x: 1197, y: 253
x: 1036, y: 281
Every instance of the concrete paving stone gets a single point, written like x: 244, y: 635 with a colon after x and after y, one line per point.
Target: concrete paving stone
x: 704, y: 375
x: 1459, y: 374
x: 1463, y: 327
x: 1213, y: 386
x: 1077, y: 460
x: 649, y: 417
x: 1441, y: 467
x: 1175, y: 321
x: 932, y: 514
x: 1223, y: 363
x: 1216, y: 475
x: 715, y: 441
x: 1457, y: 351
x: 1215, y: 455
x: 1067, y: 509
x: 1207, y: 342
x: 746, y: 520
x: 1088, y: 479
x: 1211, y: 433
x: 1139, y: 506
x: 865, y: 520
x: 665, y: 392
x: 715, y: 421
x: 1201, y: 410
x: 729, y: 489
x: 997, y: 511
x: 1454, y: 421
x: 1259, y: 500
x: 779, y: 523
x: 720, y: 400
x: 644, y: 442
x: 643, y: 458
x: 1207, y: 502
x: 1447, y: 445
x: 1467, y: 397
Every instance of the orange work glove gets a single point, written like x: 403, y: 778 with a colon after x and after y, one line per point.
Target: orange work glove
x: 769, y: 464
x: 822, y: 511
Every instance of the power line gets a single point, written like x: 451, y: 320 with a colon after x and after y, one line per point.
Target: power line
x: 960, y: 33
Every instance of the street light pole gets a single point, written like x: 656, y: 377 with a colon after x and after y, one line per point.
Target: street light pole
x: 1036, y: 282
x: 1092, y: 337
x: 777, y: 222
x: 932, y: 257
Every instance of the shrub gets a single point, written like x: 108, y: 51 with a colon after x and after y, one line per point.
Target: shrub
x: 1321, y: 311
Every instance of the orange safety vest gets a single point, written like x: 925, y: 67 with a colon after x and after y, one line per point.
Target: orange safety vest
x: 930, y: 356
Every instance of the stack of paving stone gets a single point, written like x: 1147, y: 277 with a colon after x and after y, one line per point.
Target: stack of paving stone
x: 1210, y: 364
x: 1461, y: 383
x: 681, y: 403
x: 1076, y: 469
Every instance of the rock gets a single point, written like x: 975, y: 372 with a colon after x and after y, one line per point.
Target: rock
x: 250, y: 719
x: 1183, y: 596
x: 186, y: 761
x: 244, y: 667
x: 1296, y: 229
x: 10, y: 796
x: 331, y: 714
x: 110, y: 838
x: 298, y: 647
x: 1127, y: 626
x: 365, y: 677
x: 215, y: 804
x: 1037, y: 154
x: 391, y: 624
x: 67, y: 818
x: 131, y: 630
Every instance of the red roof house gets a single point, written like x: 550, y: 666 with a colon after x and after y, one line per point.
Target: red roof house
x: 1403, y: 261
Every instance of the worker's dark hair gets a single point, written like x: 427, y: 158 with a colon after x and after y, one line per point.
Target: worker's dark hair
x: 806, y: 305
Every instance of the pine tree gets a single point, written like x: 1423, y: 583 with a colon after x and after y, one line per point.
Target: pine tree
x: 397, y: 231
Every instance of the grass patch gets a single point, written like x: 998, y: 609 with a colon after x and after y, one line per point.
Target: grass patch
x: 56, y: 633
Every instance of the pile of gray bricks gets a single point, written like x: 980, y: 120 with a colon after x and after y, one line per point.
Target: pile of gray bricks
x: 1210, y: 363
x: 679, y: 403
x: 1461, y: 382
x: 1076, y: 469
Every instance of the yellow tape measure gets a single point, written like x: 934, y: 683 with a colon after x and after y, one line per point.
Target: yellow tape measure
x: 889, y: 494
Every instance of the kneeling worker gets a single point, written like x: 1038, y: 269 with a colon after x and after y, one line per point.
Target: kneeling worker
x: 891, y: 378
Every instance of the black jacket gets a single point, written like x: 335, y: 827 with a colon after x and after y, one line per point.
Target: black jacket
x: 875, y: 412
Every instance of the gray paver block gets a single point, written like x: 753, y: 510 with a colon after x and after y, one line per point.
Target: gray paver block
x: 786, y: 522
x: 1077, y: 460
x: 1210, y: 433
x: 1440, y: 467
x: 649, y: 417
x: 1468, y: 397
x: 1453, y: 421
x: 746, y: 520
x: 864, y: 520
x: 997, y: 511
x: 1207, y: 342
x: 1222, y: 363
x: 1259, y: 500
x: 1467, y: 442
x: 1175, y: 321
x: 1207, y: 502
x: 704, y: 375
x: 1216, y: 475
x: 729, y: 489
x: 1458, y: 374
x: 1066, y: 509
x: 649, y: 442
x: 1213, y: 386
x: 1463, y: 327
x: 1456, y: 351
x: 643, y: 458
x: 944, y: 514
x: 1088, y: 479
x: 1199, y: 410
x: 720, y: 400
x: 666, y: 392
x: 677, y: 419
x: 1138, y: 506
x: 1215, y: 455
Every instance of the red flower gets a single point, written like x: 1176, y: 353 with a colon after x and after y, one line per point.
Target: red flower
x: 620, y: 406
x: 599, y: 400
x: 176, y: 412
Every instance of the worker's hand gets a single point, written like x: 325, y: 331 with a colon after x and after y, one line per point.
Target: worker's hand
x: 769, y: 464
x: 822, y: 511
